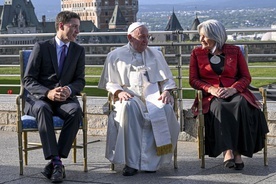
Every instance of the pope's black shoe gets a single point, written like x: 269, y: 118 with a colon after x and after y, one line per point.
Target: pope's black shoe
x: 48, y: 170
x: 58, y: 174
x: 150, y: 171
x: 128, y: 171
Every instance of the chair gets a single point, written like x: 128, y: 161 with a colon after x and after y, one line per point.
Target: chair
x: 200, y: 117
x: 175, y: 107
x: 26, y: 123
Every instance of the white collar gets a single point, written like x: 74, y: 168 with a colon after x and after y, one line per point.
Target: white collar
x: 60, y: 43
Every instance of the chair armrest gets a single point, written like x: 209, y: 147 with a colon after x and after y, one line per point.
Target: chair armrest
x: 84, y: 101
x: 18, y: 112
x: 110, y: 100
x: 199, y: 97
x: 264, y: 104
x: 18, y: 104
x: 84, y: 109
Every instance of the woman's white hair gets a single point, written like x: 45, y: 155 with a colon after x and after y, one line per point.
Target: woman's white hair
x: 214, y: 30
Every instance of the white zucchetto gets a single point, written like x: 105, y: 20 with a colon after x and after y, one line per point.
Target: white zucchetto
x: 133, y: 26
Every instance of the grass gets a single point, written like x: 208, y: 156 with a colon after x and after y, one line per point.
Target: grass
x: 255, y: 72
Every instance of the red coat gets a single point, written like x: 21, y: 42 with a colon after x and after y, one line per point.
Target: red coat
x: 235, y: 74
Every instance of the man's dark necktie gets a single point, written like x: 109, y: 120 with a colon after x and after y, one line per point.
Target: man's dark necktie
x: 62, y: 59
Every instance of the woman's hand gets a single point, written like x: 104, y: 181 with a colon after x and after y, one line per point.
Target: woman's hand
x: 222, y: 92
x: 226, y: 92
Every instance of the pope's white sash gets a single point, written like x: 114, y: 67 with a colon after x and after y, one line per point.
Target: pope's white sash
x: 156, y: 113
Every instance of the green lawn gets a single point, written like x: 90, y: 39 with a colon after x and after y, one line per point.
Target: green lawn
x: 255, y: 72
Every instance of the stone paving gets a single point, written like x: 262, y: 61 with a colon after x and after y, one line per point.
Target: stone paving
x: 188, y: 172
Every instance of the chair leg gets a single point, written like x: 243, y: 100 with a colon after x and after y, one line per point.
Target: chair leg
x: 25, y: 147
x: 265, y: 151
x: 201, y: 142
x: 203, y: 161
x: 112, y: 166
x: 75, y: 151
x: 264, y: 95
x: 175, y: 157
x: 85, y: 150
x: 201, y: 130
x: 201, y: 147
x: 20, y: 151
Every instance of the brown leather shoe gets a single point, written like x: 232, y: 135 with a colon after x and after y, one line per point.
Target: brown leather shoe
x: 128, y: 171
x: 58, y: 174
x: 48, y: 170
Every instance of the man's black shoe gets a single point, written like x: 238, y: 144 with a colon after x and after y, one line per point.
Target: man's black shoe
x: 128, y: 171
x: 58, y: 174
x: 48, y: 170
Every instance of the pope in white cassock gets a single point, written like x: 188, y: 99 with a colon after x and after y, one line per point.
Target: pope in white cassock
x: 142, y: 129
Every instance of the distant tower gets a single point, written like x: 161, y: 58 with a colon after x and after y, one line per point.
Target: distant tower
x: 117, y: 21
x: 194, y: 36
x: 100, y: 12
x: 173, y: 25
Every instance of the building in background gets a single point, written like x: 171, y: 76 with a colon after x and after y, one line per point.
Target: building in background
x: 194, y: 36
x: 18, y: 17
x: 100, y: 12
x: 270, y: 35
x: 173, y: 25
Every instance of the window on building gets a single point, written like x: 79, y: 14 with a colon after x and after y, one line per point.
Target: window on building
x: 126, y: 2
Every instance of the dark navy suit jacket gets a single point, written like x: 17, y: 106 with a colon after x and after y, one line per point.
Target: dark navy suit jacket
x: 41, y: 74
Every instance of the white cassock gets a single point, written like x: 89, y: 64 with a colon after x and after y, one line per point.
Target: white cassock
x: 142, y: 132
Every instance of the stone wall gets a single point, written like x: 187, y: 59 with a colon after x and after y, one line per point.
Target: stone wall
x: 97, y: 120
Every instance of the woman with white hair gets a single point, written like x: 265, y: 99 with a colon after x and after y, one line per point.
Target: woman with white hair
x: 234, y: 123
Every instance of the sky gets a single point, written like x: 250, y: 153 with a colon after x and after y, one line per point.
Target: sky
x: 141, y: 2
x: 51, y: 7
x: 165, y: 1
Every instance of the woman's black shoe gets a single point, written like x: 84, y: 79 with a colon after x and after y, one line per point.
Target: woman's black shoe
x: 229, y: 163
x: 239, y: 166
x: 128, y: 171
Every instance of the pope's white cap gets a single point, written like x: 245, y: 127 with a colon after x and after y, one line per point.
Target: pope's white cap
x: 133, y: 26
